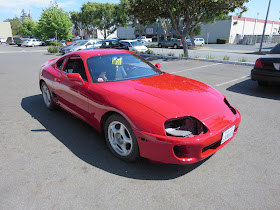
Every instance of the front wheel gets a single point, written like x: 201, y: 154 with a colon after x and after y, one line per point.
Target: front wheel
x: 121, y: 139
x: 48, y: 101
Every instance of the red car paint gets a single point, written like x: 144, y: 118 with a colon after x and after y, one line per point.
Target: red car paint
x: 147, y: 103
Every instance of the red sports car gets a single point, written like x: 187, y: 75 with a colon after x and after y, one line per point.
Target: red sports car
x: 141, y: 110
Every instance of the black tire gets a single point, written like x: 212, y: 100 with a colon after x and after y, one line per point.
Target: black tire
x: 175, y: 46
x: 160, y: 45
x: 262, y: 83
x: 121, y: 139
x: 47, y: 97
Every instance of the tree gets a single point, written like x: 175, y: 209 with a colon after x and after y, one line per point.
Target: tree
x: 184, y: 14
x: 23, y: 15
x: 104, y: 16
x: 27, y: 28
x: 54, y: 20
x: 166, y: 25
x: 194, y: 31
x: 78, y: 21
x: 15, y: 25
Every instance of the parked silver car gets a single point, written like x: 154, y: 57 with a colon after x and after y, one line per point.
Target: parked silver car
x: 81, y: 45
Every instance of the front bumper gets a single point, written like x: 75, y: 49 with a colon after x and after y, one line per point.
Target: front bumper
x: 163, y: 148
x: 265, y: 75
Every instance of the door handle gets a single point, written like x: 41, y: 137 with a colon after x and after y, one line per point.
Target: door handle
x: 58, y: 80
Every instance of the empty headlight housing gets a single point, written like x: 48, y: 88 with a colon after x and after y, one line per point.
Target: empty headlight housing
x: 184, y: 127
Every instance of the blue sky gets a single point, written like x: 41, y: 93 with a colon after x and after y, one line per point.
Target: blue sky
x: 12, y: 8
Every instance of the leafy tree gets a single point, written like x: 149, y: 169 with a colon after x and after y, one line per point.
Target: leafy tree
x: 15, y: 25
x: 54, y: 20
x: 27, y: 27
x: 104, y: 16
x: 184, y: 14
x: 78, y: 21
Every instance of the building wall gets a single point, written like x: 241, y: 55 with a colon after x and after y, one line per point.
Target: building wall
x: 217, y: 30
x: 100, y: 35
x: 5, y: 30
x: 126, y: 32
x: 250, y: 26
x: 234, y: 29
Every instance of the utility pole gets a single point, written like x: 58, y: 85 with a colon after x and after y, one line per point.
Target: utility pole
x: 264, y: 26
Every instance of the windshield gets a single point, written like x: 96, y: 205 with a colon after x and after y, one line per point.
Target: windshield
x: 136, y: 43
x: 119, y: 67
x: 275, y: 49
x: 82, y: 43
x: 76, y: 43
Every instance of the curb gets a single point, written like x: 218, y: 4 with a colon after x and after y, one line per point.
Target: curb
x: 200, y: 59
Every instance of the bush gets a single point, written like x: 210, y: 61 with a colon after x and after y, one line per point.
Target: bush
x: 226, y: 58
x: 222, y: 41
x: 210, y: 57
x: 242, y: 59
x: 170, y: 54
x: 183, y: 55
x: 53, y: 49
x: 149, y: 51
x: 153, y: 45
x: 54, y: 44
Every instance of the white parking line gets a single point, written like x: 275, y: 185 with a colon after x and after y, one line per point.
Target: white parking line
x: 196, y: 68
x: 224, y: 83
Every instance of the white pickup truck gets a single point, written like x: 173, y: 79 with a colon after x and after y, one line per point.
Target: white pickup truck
x: 146, y: 39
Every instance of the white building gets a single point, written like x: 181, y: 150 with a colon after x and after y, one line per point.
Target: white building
x: 5, y: 30
x: 238, y: 30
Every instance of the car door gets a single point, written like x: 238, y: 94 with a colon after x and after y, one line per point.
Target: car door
x: 72, y: 95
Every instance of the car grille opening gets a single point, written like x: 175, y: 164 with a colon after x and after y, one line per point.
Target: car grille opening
x: 181, y: 151
x: 212, y: 146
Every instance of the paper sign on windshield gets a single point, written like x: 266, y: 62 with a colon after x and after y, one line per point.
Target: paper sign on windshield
x: 117, y: 61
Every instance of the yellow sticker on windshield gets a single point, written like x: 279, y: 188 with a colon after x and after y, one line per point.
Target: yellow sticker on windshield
x: 117, y: 61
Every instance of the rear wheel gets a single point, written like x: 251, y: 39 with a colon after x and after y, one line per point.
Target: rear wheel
x: 160, y: 45
x: 48, y: 101
x: 121, y: 139
x: 175, y: 46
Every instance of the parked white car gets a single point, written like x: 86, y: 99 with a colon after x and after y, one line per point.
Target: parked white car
x: 2, y: 40
x: 146, y: 39
x: 31, y: 42
x: 134, y: 45
x: 197, y: 42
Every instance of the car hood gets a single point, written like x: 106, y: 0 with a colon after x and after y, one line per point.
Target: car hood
x: 171, y: 96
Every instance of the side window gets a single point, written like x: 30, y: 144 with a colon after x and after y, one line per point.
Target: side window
x: 76, y: 65
x: 59, y: 64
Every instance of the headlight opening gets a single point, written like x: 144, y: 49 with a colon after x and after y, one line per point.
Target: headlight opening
x: 184, y: 127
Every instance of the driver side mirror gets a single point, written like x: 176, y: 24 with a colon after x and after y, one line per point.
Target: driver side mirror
x: 158, y: 65
x: 76, y: 77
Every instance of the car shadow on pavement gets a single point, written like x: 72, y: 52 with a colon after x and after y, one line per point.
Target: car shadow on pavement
x: 251, y: 88
x: 88, y: 145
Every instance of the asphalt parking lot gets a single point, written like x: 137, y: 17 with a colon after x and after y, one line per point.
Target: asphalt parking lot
x: 52, y: 160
